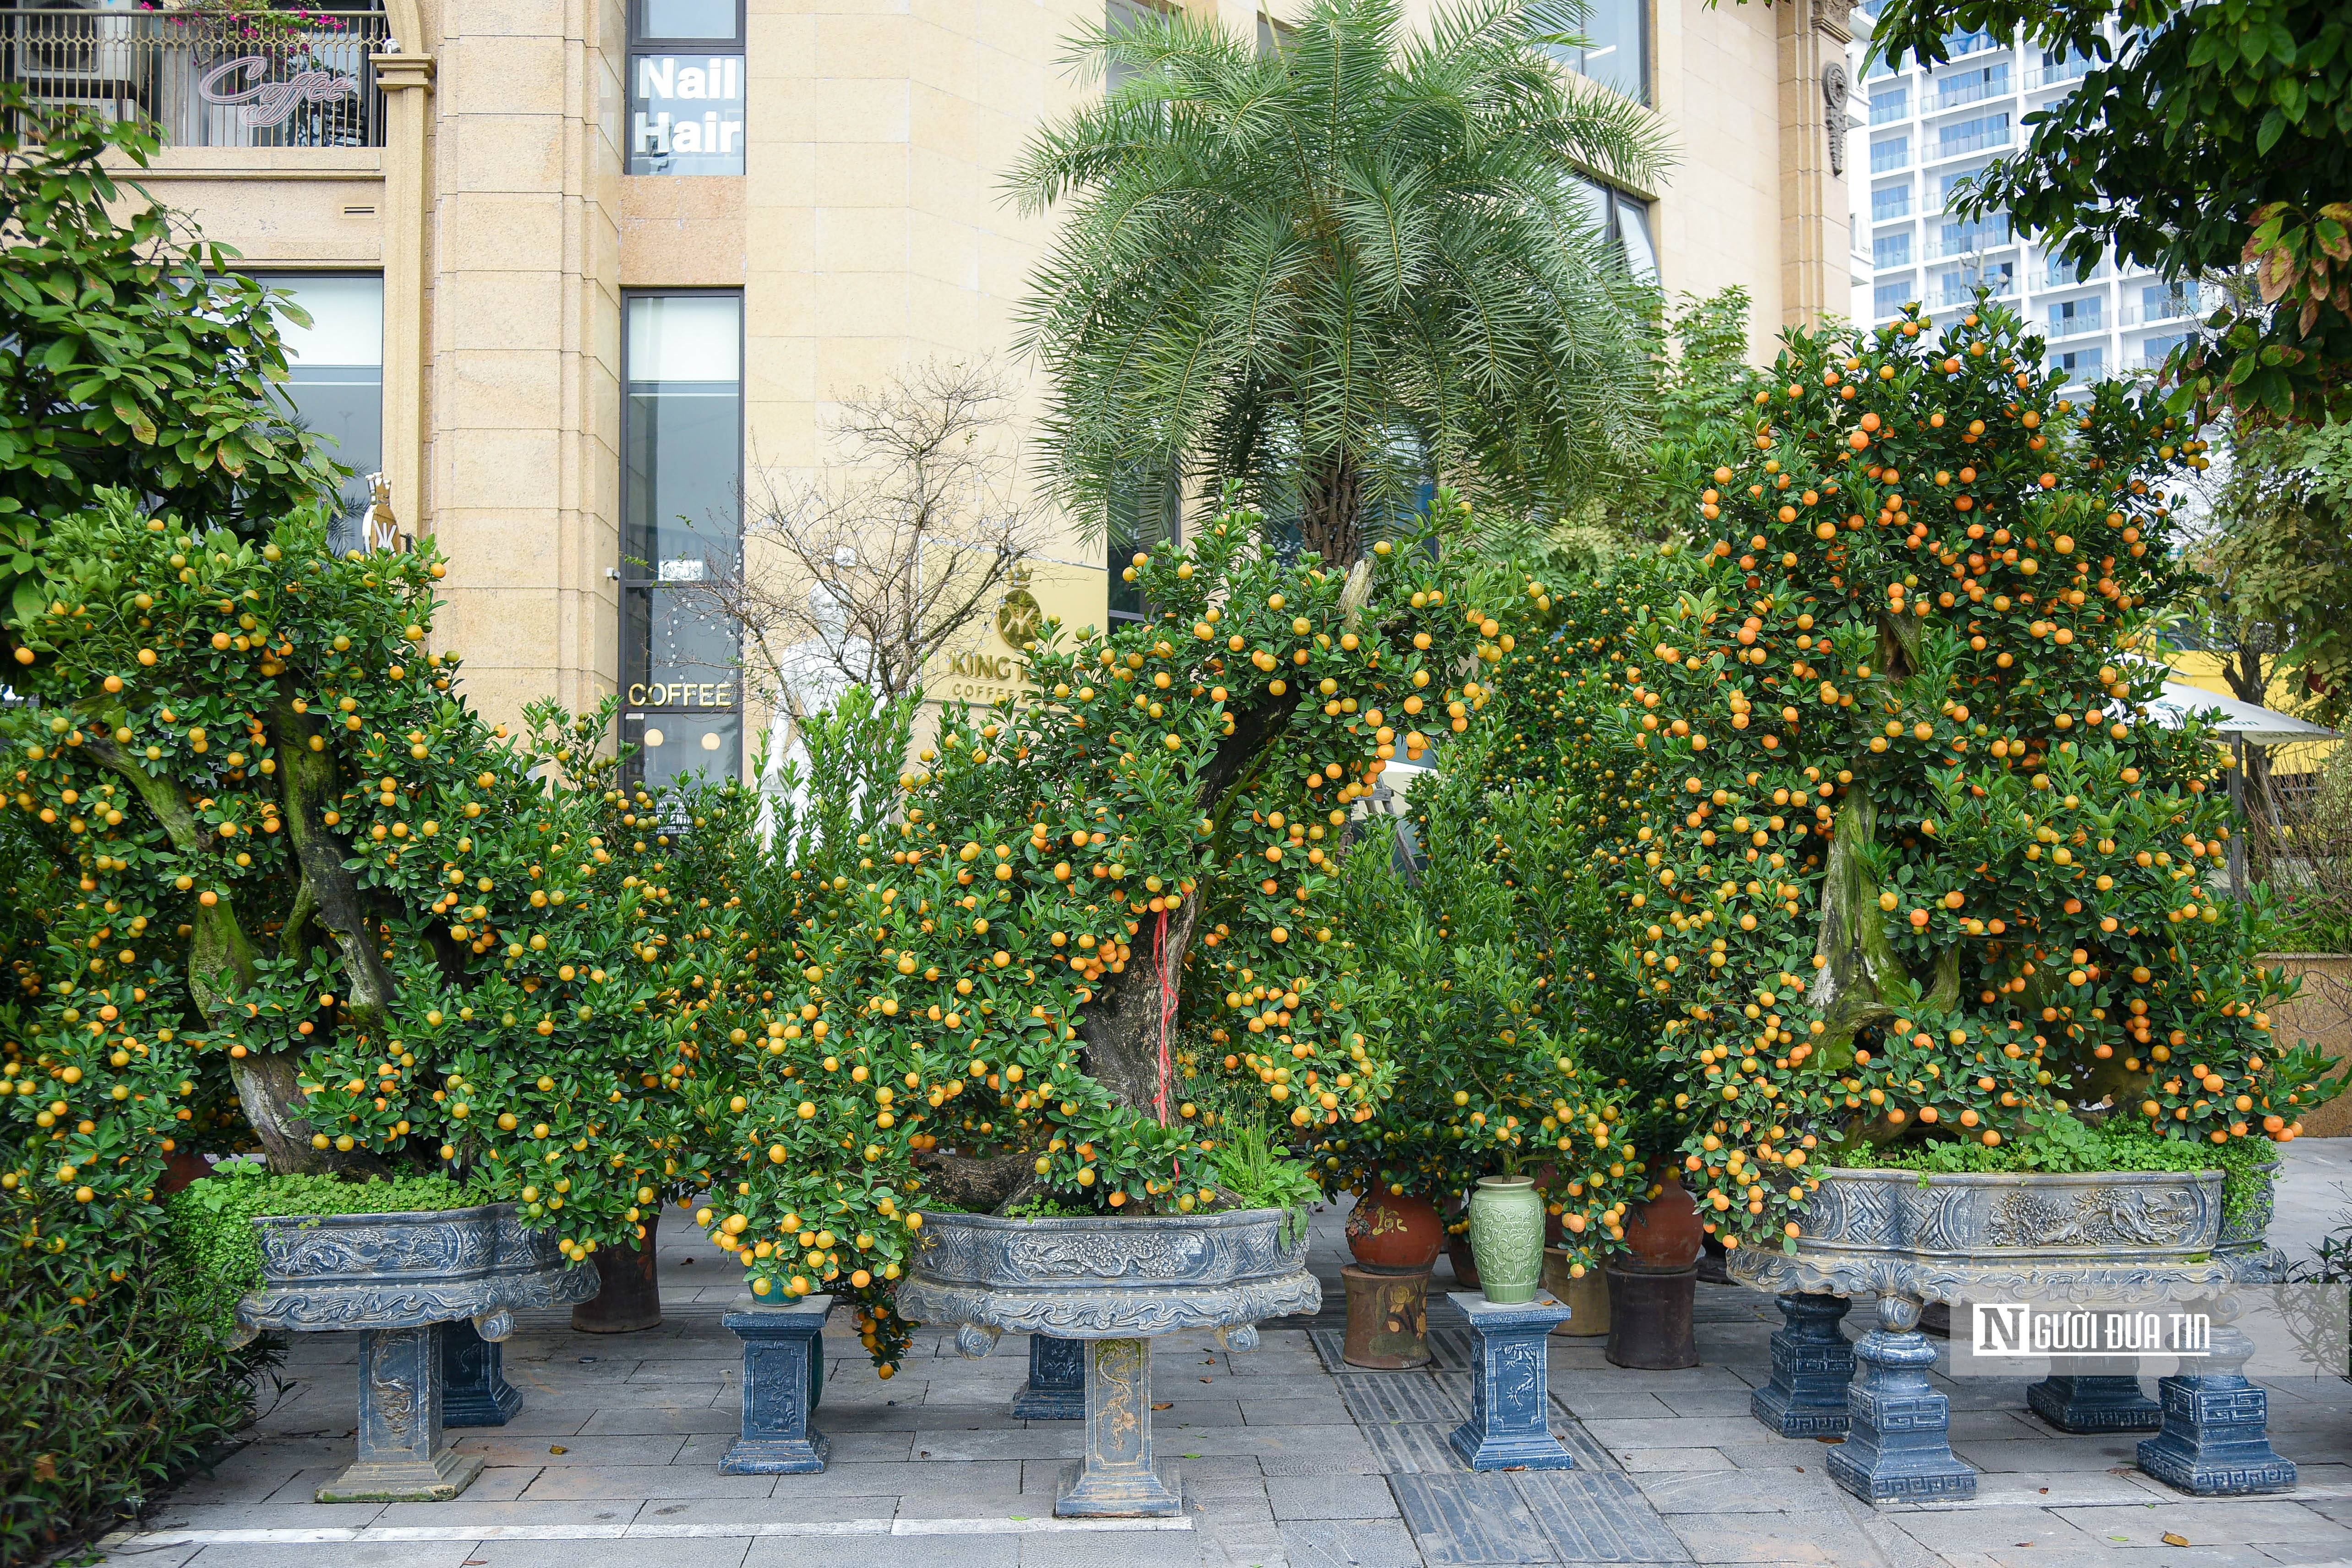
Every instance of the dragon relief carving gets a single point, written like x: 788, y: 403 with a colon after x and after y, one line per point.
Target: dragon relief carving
x: 2106, y: 1217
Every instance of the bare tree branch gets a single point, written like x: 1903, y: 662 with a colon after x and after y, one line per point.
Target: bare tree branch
x: 861, y: 576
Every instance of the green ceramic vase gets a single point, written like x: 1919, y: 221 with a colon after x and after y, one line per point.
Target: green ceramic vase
x: 1507, y: 1237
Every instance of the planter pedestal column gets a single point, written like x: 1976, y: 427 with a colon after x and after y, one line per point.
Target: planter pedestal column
x: 783, y: 1377
x: 1388, y: 1318
x: 1056, y: 1389
x: 1118, y: 1479
x: 1510, y: 1401
x: 1898, y: 1443
x: 1812, y: 1367
x: 2216, y: 1440
x: 474, y: 1387
x: 401, y: 1458
x: 2089, y: 1400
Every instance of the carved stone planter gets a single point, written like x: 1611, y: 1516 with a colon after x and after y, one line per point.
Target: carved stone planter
x: 397, y: 1279
x: 1114, y: 1284
x: 2132, y: 1237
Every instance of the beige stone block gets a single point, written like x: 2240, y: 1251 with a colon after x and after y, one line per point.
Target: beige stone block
x: 779, y: 240
x: 865, y: 173
x: 861, y: 239
x: 284, y: 223
x: 499, y: 310
x: 484, y: 231
x: 512, y: 18
x: 491, y: 389
x: 853, y: 44
x: 492, y: 75
x: 868, y: 304
x: 855, y: 109
x: 507, y: 467
x: 503, y: 152
x: 682, y: 232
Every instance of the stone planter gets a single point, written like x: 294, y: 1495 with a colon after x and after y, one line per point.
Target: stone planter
x: 1113, y: 1283
x: 2130, y: 1238
x: 396, y: 1278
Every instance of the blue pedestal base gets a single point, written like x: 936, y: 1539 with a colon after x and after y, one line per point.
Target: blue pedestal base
x: 474, y: 1388
x: 1056, y: 1389
x: 1898, y: 1442
x: 1812, y: 1366
x: 2094, y: 1402
x: 2216, y: 1436
x: 783, y: 1377
x: 1510, y: 1402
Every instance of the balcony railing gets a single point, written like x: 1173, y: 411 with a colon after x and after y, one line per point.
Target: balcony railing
x: 1889, y: 107
x: 1961, y: 146
x: 2166, y: 308
x: 2075, y: 326
x: 1974, y: 90
x: 1969, y: 242
x: 1885, y: 155
x: 2053, y: 75
x: 207, y: 80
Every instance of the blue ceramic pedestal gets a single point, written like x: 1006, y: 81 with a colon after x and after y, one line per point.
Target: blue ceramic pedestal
x: 401, y: 1458
x: 1118, y: 1479
x: 1056, y: 1389
x: 783, y: 1377
x: 1898, y: 1443
x: 1509, y: 1425
x: 474, y: 1388
x: 1812, y: 1366
x: 2086, y: 1400
x: 2216, y: 1438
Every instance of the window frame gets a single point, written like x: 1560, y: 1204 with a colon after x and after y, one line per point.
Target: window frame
x: 633, y: 770
x: 654, y: 46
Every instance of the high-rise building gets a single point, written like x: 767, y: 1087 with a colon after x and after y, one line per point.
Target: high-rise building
x: 1920, y: 134
x: 583, y: 272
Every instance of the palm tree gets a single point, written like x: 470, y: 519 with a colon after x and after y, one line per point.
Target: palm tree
x: 1341, y: 269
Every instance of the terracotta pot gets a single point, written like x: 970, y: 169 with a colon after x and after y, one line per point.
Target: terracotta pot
x: 1465, y: 1266
x: 630, y: 1298
x: 182, y: 1167
x: 1393, y: 1234
x: 1586, y: 1296
x: 1663, y: 1234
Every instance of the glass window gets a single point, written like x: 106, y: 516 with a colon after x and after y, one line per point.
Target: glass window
x: 1146, y: 514
x: 1890, y: 250
x: 719, y: 21
x: 1889, y: 103
x: 681, y: 497
x: 1624, y: 221
x: 336, y: 385
x: 1888, y: 298
x: 1615, y: 51
x: 686, y: 104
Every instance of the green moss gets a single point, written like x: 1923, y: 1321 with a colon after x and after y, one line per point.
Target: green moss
x: 213, y: 1244
x: 1046, y: 1206
x: 2072, y: 1147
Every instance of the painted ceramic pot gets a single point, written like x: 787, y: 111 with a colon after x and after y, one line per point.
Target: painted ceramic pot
x: 1507, y: 1237
x: 1663, y: 1234
x: 1395, y: 1234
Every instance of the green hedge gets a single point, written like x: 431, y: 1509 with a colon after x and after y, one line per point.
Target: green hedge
x: 103, y: 1404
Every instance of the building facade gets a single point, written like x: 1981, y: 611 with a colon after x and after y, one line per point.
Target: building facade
x: 1919, y: 135
x: 582, y: 272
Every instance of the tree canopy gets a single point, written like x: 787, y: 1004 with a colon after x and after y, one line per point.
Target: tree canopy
x: 1342, y: 269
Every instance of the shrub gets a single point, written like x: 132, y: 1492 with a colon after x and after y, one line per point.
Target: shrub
x: 1910, y: 867
x: 105, y: 1403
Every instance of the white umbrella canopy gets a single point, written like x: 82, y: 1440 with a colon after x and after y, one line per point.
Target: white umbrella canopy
x: 2256, y: 726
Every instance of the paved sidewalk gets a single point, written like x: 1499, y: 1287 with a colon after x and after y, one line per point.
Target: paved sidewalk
x: 1287, y: 1460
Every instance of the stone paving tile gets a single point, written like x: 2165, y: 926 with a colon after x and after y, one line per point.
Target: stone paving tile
x: 1996, y: 1528
x: 1366, y: 1543
x: 1737, y: 1491
x: 2041, y: 1456
x: 1413, y: 1449
x: 1637, y: 1461
x: 1332, y: 1497
x: 574, y: 1483
x: 2250, y: 1521
x: 496, y: 1448
x: 367, y: 1554
x: 1598, y: 1517
x: 1400, y: 1396
x: 720, y: 1552
x: 865, y: 1552
x: 1687, y: 1432
x: 1470, y: 1518
x: 1071, y: 1549
x: 1828, y: 1539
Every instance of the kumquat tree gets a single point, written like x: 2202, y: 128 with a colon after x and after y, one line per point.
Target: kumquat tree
x: 1912, y: 867
x: 306, y: 900
x: 995, y: 985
